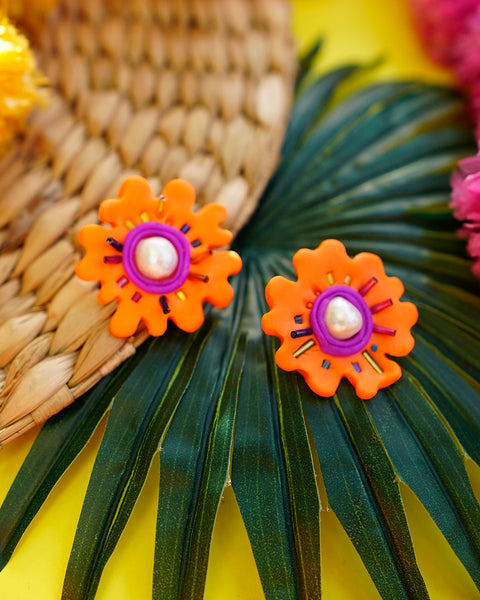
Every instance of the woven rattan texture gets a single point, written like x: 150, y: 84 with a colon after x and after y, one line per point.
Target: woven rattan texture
x: 198, y: 89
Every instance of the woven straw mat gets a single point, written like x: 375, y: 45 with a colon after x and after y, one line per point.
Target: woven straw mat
x: 198, y: 89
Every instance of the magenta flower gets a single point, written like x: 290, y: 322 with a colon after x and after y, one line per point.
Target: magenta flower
x: 467, y: 51
x: 440, y: 24
x: 450, y: 30
x: 466, y: 204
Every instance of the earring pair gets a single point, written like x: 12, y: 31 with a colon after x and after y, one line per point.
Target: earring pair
x: 160, y: 260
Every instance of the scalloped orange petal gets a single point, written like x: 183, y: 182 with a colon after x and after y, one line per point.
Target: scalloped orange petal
x: 205, y: 272
x: 292, y: 312
x: 135, y: 197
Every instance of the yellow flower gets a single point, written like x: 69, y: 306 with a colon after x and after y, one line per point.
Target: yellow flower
x: 20, y: 82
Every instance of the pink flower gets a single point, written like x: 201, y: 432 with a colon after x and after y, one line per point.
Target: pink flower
x: 473, y: 248
x: 466, y: 204
x: 450, y: 30
x: 466, y: 48
x: 440, y: 23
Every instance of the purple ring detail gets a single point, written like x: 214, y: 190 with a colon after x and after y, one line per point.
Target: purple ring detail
x: 327, y: 342
x: 151, y: 229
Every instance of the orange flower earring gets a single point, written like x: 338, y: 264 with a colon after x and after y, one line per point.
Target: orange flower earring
x: 341, y: 318
x: 156, y: 257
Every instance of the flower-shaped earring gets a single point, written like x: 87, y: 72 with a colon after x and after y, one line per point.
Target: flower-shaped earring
x: 340, y: 319
x: 156, y: 257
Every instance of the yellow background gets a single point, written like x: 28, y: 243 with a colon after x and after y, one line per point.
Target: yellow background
x: 354, y: 30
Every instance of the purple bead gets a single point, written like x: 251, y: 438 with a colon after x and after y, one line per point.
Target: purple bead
x: 115, y: 244
x: 301, y: 332
x: 112, y: 260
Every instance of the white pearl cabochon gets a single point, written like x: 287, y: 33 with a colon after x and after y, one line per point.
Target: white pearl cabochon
x: 342, y: 318
x: 156, y: 257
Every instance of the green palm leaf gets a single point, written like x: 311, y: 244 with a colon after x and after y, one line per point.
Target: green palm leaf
x: 362, y: 473
x: 371, y: 170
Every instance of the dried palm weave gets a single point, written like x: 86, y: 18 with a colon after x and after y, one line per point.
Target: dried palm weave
x: 198, y: 89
